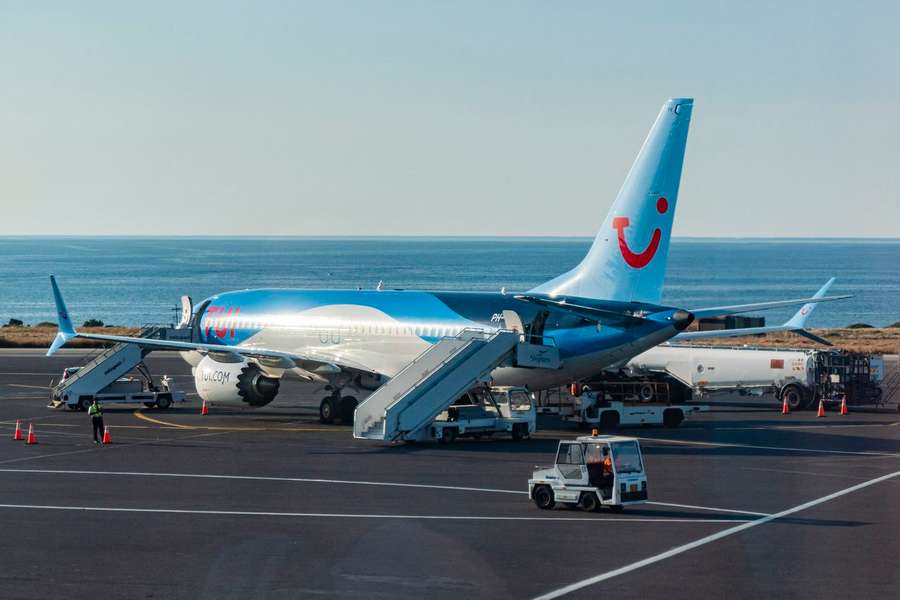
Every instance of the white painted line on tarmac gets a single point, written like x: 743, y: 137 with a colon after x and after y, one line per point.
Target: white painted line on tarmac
x: 338, y: 481
x: 822, y: 426
x: 22, y: 385
x: 262, y: 478
x: 710, y: 508
x: 55, y: 373
x: 247, y: 513
x: 776, y: 448
x: 710, y: 538
x: 798, y: 472
x: 96, y: 448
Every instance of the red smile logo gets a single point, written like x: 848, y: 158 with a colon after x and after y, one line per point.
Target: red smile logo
x: 639, y: 260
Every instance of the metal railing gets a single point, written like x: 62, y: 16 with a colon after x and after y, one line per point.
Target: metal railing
x: 96, y: 359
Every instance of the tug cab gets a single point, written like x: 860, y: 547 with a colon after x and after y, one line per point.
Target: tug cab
x: 590, y: 472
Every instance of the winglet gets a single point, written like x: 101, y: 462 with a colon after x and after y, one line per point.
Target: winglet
x: 798, y: 321
x: 66, y: 330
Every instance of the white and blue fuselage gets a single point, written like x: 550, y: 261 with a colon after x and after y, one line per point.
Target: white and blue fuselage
x: 383, y: 331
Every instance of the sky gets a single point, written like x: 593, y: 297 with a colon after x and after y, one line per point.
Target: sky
x: 442, y: 118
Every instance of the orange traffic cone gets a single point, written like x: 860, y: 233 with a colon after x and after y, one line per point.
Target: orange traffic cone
x: 107, y: 439
x: 844, y: 410
x: 18, y: 435
x: 204, y: 410
x: 821, y: 412
x: 785, y: 408
x: 32, y: 439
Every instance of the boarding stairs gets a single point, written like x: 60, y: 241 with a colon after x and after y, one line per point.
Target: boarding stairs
x: 408, y: 403
x: 102, y: 370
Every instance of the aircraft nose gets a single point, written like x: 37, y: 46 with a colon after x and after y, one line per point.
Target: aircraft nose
x: 681, y: 319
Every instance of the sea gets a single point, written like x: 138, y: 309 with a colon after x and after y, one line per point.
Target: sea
x: 139, y: 280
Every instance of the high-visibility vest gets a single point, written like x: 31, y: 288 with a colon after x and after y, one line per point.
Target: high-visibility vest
x: 607, y: 466
x: 95, y: 410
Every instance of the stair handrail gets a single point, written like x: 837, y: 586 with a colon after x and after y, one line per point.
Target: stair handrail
x: 145, y: 332
x: 484, y: 340
x: 485, y: 336
x: 468, y: 334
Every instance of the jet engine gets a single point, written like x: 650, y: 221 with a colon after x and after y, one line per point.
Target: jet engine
x: 239, y: 383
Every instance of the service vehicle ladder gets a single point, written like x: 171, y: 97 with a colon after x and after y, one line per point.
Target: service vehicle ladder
x: 432, y: 382
x: 108, y: 366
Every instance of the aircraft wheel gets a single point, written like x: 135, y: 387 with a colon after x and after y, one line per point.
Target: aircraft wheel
x: 543, y: 497
x: 348, y: 405
x: 327, y: 411
x: 164, y: 401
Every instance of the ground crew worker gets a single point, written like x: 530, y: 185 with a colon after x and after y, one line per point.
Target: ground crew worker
x: 607, y: 479
x: 96, y: 413
x: 607, y: 463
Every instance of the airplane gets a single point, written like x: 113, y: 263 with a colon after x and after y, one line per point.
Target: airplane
x: 600, y: 313
x: 796, y: 324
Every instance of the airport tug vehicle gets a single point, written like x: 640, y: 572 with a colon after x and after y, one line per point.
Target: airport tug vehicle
x: 484, y: 412
x: 77, y: 393
x: 590, y: 472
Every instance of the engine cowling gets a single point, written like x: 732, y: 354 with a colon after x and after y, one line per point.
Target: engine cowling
x: 234, y: 383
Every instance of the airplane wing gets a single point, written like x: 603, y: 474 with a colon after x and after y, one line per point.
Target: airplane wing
x: 795, y: 324
x: 736, y: 309
x: 314, y: 363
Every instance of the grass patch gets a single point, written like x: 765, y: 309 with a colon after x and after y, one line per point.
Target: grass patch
x: 42, y: 337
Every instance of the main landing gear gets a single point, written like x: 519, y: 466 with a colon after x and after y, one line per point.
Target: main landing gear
x: 337, y: 407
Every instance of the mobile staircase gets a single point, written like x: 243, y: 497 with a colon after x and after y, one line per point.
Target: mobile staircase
x: 405, y: 406
x: 77, y: 389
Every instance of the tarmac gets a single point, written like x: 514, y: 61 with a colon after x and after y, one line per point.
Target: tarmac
x: 268, y: 503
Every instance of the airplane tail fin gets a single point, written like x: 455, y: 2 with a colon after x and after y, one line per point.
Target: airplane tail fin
x: 627, y: 261
x: 66, y: 330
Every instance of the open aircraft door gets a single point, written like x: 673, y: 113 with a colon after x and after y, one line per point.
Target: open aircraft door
x: 512, y: 321
x: 187, y: 311
x: 532, y: 350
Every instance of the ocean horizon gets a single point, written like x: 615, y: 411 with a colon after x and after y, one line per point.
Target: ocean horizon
x: 133, y: 280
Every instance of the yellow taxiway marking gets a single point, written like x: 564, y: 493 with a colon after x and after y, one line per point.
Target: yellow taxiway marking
x: 143, y: 417
x: 140, y: 415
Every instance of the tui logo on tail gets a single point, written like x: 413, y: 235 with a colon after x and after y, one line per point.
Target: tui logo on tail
x: 639, y: 260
